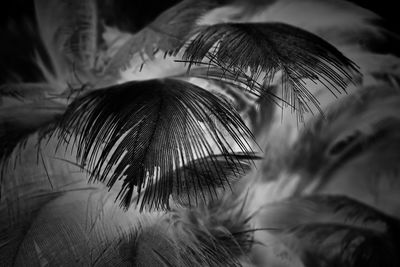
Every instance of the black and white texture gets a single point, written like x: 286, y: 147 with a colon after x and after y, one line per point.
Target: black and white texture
x: 199, y: 133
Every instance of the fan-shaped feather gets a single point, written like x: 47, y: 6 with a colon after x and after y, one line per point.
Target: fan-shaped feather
x: 143, y: 131
x: 260, y: 50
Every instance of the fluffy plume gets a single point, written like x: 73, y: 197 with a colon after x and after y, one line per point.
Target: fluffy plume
x: 69, y: 32
x: 165, y: 33
x: 216, y: 234
x: 333, y: 231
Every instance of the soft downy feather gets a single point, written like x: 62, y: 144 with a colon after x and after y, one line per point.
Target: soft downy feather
x: 69, y: 227
x: 42, y: 201
x: 323, y: 230
x: 351, y: 154
x: 69, y: 32
x: 170, y: 28
x: 167, y: 32
x: 220, y: 231
x: 20, y: 120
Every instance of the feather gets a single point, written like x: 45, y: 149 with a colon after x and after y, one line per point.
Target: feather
x: 209, y: 175
x: 272, y: 47
x: 18, y: 122
x: 354, y: 132
x: 79, y: 226
x: 69, y: 32
x: 226, y: 220
x: 332, y: 231
x: 25, y: 91
x: 217, y: 234
x: 256, y: 106
x: 15, y: 222
x: 40, y: 218
x: 72, y: 227
x: 334, y: 20
x: 68, y: 224
x: 353, y: 152
x: 353, y: 246
x: 165, y: 33
x: 168, y: 243
x: 223, y: 79
x: 142, y: 131
x: 169, y: 139
x: 324, y: 209
x: 360, y: 129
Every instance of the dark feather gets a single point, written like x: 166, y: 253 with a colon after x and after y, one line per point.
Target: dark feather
x: 224, y: 77
x: 207, y: 175
x: 145, y: 130
x: 260, y: 50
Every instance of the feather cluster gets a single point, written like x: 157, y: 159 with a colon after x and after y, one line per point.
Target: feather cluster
x: 170, y: 145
